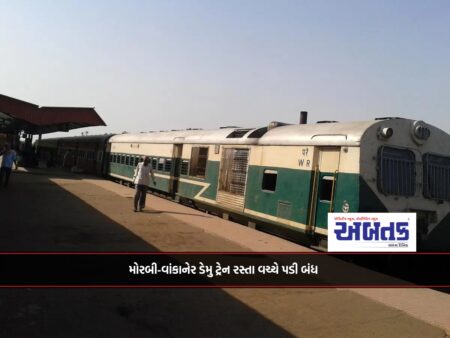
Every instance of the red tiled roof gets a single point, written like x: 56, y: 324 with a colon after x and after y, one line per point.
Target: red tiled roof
x: 52, y: 115
x: 36, y: 120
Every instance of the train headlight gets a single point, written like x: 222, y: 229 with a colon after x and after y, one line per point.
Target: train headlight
x: 420, y: 132
x: 385, y: 132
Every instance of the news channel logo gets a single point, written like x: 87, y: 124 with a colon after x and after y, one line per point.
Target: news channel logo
x: 372, y: 232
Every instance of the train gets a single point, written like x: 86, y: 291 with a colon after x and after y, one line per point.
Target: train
x: 286, y: 178
x: 82, y: 154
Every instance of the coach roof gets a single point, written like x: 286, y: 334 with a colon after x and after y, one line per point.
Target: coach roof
x: 333, y: 133
x: 216, y: 136
x: 345, y: 133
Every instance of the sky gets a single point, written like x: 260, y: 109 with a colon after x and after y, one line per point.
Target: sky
x: 162, y: 65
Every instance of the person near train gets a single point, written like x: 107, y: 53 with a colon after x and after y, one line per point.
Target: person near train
x: 141, y: 179
x: 9, y: 157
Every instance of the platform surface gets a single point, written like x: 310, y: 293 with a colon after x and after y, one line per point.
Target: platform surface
x: 53, y: 211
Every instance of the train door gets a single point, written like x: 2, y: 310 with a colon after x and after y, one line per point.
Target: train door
x: 176, y: 167
x: 233, y: 178
x: 325, y: 184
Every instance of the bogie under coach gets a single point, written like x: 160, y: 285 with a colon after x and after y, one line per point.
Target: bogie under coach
x: 292, y: 176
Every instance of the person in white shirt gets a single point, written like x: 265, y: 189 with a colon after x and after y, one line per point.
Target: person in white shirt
x: 141, y: 180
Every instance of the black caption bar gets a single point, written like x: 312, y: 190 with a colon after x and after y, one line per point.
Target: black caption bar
x: 224, y: 269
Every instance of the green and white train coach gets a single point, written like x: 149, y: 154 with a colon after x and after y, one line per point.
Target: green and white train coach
x: 292, y: 176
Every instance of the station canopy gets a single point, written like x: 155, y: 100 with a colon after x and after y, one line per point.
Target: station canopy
x: 17, y: 115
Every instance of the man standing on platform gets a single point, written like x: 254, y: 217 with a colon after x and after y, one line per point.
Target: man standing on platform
x: 9, y: 158
x: 141, y: 180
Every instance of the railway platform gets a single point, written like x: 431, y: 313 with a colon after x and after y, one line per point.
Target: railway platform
x: 54, y: 211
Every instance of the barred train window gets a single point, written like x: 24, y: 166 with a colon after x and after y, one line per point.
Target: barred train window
x: 168, y: 166
x: 199, y: 158
x: 436, y: 177
x: 233, y: 171
x: 396, y: 171
x: 184, y: 167
x: 154, y: 163
x: 161, y: 162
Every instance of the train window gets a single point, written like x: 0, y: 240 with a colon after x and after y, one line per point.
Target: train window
x: 326, y: 189
x: 233, y: 171
x: 136, y: 161
x: 161, y: 164
x: 99, y: 156
x: 396, y: 171
x: 127, y: 160
x: 168, y: 166
x: 269, y: 181
x: 122, y: 159
x: 154, y: 163
x: 436, y: 177
x: 199, y: 159
x: 184, y: 167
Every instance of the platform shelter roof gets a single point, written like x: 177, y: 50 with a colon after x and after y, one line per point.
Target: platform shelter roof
x: 17, y: 115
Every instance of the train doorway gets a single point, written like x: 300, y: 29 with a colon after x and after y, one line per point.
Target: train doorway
x: 325, y: 185
x: 176, y: 168
x: 233, y: 178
